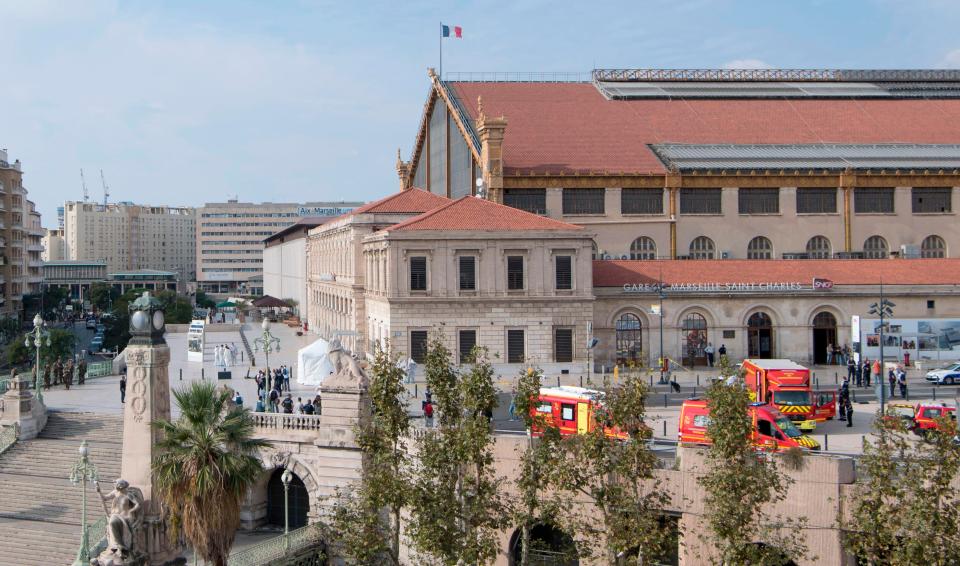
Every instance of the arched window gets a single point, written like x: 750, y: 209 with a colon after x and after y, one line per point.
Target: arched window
x: 875, y: 248
x: 643, y: 248
x: 702, y: 248
x: 933, y: 246
x: 694, y: 339
x: 818, y: 247
x: 629, y: 334
x: 824, y: 320
x: 760, y: 248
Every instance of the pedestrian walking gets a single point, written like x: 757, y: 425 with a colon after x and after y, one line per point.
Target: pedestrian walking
x: 851, y: 371
x: 892, y: 379
x: 308, y: 408
x: 902, y: 382
x: 286, y: 377
x: 428, y: 414
x: 123, y: 388
x: 274, y: 400
x: 865, y: 370
x: 513, y: 404
x: 287, y: 404
x: 708, y: 350
x: 877, y: 368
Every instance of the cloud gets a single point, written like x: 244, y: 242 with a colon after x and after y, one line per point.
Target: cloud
x: 951, y: 60
x: 747, y: 64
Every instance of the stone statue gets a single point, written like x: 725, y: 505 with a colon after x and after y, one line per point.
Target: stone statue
x: 346, y: 371
x: 82, y: 372
x: 124, y: 519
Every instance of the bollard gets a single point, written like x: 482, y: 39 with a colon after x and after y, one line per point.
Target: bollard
x: 651, y: 380
x: 934, y: 393
x: 826, y: 442
x: 241, y: 356
x: 664, y: 428
x: 416, y: 390
x: 181, y: 374
x: 698, y: 380
x: 836, y: 378
x: 201, y: 373
x: 664, y: 400
x: 558, y: 381
x: 854, y: 395
x: 581, y: 381
x: 694, y: 391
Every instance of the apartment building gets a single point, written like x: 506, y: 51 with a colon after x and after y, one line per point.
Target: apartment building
x: 129, y: 236
x: 53, y: 245
x: 230, y: 239
x: 20, y: 239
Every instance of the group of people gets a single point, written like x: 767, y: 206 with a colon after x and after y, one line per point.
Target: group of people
x: 709, y: 351
x: 225, y: 355
x: 277, y: 378
x: 63, y: 373
x: 277, y: 402
x: 867, y: 372
x: 839, y: 355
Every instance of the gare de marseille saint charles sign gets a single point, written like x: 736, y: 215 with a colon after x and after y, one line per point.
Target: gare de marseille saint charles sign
x: 740, y: 287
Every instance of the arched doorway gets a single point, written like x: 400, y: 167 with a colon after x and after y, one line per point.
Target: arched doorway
x: 549, y: 546
x: 760, y: 336
x: 299, y: 501
x: 824, y: 332
x: 693, y: 339
x: 629, y: 334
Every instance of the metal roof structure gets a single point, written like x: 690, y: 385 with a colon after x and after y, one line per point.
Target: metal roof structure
x: 693, y: 157
x: 789, y: 75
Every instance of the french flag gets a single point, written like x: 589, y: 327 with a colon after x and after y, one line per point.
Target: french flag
x: 445, y: 31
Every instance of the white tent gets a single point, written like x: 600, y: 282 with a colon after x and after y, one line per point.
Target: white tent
x: 313, y: 364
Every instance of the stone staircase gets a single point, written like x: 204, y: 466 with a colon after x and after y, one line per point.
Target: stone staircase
x: 39, y: 507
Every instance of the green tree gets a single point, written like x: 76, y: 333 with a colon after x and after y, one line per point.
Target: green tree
x: 366, y: 520
x: 207, y: 461
x: 203, y: 301
x: 61, y: 346
x: 102, y: 295
x: 905, y: 507
x: 457, y: 505
x: 739, y: 481
x: 535, y: 504
x: 612, y: 466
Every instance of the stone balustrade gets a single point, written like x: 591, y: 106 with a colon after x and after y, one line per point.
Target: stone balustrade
x: 284, y: 421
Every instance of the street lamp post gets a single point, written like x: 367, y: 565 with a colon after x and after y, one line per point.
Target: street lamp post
x: 661, y: 295
x: 267, y: 343
x: 286, y: 477
x: 40, y: 336
x: 883, y: 309
x: 83, y: 471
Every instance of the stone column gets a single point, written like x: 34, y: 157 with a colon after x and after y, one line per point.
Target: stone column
x: 19, y: 407
x: 148, y: 400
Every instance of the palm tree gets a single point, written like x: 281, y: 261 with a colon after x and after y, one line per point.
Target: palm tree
x: 206, y: 463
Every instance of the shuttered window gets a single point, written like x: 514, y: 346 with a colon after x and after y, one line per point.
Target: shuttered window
x: 641, y: 201
x: 514, y: 272
x: 418, y: 345
x: 700, y: 201
x: 932, y: 199
x: 564, y: 272
x: 583, y: 201
x: 468, y: 273
x: 873, y: 200
x: 468, y: 339
x: 816, y: 200
x: 563, y: 344
x: 418, y: 273
x: 515, y: 353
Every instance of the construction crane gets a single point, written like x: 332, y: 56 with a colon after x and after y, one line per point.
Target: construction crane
x: 86, y: 194
x: 106, y: 188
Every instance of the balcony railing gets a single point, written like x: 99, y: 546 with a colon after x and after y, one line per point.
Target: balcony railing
x: 284, y: 421
x: 34, y: 247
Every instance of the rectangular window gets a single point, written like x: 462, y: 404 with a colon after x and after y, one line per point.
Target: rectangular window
x: 759, y: 201
x: 563, y: 344
x: 530, y: 200
x: 700, y: 201
x: 567, y: 412
x: 641, y: 201
x: 932, y: 199
x: 564, y: 272
x: 515, y: 353
x: 418, y: 346
x: 468, y: 339
x: 583, y: 201
x: 873, y: 200
x: 816, y: 200
x: 514, y: 272
x: 468, y: 273
x: 418, y: 273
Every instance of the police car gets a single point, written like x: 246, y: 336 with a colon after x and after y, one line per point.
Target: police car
x: 945, y: 376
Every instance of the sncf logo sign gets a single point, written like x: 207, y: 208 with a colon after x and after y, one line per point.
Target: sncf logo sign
x: 822, y: 284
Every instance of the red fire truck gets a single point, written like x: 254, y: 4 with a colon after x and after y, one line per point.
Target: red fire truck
x: 771, y: 429
x: 785, y: 385
x: 571, y: 409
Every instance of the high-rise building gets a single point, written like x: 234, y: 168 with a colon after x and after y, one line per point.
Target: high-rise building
x: 230, y: 237
x: 130, y: 236
x: 53, y: 245
x: 20, y: 235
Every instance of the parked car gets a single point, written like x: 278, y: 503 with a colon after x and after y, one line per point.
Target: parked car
x: 101, y: 328
x: 945, y: 376
x: 96, y: 344
x: 91, y: 323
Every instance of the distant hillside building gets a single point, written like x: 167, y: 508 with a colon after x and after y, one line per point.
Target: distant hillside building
x: 130, y: 237
x: 229, y: 240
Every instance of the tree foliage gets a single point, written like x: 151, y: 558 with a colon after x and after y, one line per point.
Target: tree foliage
x: 905, y: 510
x: 61, y: 346
x: 612, y: 466
x: 366, y: 519
x: 739, y: 481
x: 204, y: 301
x: 101, y: 295
x: 205, y: 464
x: 457, y: 507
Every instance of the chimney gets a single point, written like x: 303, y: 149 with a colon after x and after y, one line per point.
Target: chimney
x: 491, y: 152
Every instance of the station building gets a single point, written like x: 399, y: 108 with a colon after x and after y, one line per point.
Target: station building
x: 709, y: 164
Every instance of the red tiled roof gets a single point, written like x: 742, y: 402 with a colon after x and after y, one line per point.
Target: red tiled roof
x: 480, y: 215
x: 408, y: 201
x: 571, y: 127
x: 616, y: 273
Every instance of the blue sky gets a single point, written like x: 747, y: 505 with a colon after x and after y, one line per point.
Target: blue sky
x: 182, y: 102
